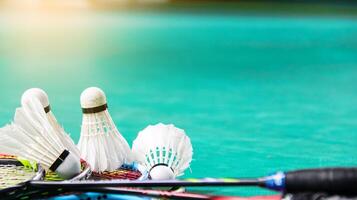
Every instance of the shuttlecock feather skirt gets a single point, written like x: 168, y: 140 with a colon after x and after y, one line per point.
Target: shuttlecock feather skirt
x: 101, y: 144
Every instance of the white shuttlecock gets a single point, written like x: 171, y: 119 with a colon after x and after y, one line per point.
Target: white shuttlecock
x: 100, y: 144
x: 32, y: 136
x: 165, y: 150
x: 43, y: 98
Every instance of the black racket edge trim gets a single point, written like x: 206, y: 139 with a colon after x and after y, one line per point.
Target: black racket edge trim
x: 115, y: 183
x: 10, y: 161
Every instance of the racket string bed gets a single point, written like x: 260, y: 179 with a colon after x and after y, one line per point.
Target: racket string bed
x: 11, y: 175
x: 122, y: 173
x: 15, y: 172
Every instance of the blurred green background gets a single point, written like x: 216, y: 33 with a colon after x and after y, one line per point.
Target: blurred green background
x: 258, y: 87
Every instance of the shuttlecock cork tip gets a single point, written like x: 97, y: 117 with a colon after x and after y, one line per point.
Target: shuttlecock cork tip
x: 67, y: 165
x: 93, y: 97
x: 161, y: 172
x: 35, y: 93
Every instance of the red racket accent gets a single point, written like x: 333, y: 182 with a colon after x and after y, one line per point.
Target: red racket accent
x: 121, y: 173
x: 7, y: 156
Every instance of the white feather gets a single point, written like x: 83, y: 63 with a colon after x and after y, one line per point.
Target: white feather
x: 40, y: 95
x: 163, y: 144
x: 61, y: 133
x: 101, y: 144
x: 32, y: 136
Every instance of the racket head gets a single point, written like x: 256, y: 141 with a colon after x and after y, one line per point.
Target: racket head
x: 25, y: 191
x: 36, y: 193
x: 15, y: 172
x: 132, y: 171
x: 125, y: 172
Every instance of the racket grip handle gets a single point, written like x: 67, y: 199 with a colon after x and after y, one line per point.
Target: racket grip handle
x: 329, y: 180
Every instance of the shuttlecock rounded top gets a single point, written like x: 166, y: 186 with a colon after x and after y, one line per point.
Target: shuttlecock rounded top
x: 35, y: 93
x: 93, y: 97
